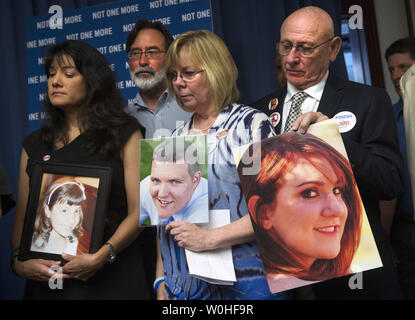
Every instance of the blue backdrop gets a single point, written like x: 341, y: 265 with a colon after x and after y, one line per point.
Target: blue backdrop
x: 105, y: 27
x: 250, y: 28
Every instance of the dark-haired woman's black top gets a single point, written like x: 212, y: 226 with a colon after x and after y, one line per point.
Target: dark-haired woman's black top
x: 126, y: 277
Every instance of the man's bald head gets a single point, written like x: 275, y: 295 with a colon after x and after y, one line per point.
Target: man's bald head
x: 311, y: 19
x: 309, y: 27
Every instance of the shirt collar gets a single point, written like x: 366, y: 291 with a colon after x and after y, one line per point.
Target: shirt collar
x: 223, y: 115
x: 315, y: 91
x: 164, y: 98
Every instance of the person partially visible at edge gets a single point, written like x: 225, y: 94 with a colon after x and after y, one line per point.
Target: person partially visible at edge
x: 86, y: 125
x: 202, y: 75
x: 314, y: 93
x: 400, y: 56
x: 6, y: 196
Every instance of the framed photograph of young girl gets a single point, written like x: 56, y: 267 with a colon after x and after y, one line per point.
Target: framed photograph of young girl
x: 66, y: 211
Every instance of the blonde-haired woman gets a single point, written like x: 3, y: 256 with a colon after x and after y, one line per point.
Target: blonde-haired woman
x: 202, y: 75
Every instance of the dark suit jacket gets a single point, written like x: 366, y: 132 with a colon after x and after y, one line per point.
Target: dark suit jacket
x: 372, y: 146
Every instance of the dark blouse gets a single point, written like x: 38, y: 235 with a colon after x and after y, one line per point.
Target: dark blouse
x: 123, y: 279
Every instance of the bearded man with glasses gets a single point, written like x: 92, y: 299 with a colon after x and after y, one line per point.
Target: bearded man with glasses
x: 155, y: 109
x: 307, y: 47
x: 153, y: 106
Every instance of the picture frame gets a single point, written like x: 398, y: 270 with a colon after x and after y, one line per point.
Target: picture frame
x: 66, y: 211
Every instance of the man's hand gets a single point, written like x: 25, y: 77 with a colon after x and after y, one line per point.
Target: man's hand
x: 305, y: 120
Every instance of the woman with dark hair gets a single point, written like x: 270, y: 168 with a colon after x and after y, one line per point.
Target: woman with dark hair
x: 97, y: 100
x: 305, y: 209
x: 86, y: 124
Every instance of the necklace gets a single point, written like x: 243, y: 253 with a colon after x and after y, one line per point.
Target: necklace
x: 210, y: 126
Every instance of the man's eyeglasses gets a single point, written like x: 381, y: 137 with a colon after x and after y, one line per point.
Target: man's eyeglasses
x: 185, y: 75
x: 303, y: 49
x: 150, y: 54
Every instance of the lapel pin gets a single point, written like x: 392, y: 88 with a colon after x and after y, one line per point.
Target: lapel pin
x: 222, y: 134
x: 275, y: 119
x: 272, y: 104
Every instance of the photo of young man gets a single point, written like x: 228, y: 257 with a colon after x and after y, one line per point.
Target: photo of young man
x: 175, y: 189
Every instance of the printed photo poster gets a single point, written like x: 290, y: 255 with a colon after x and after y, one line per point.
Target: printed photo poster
x: 305, y: 207
x: 173, y: 180
x: 65, y: 214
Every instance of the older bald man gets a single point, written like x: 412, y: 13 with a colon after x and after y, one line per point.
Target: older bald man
x: 307, y: 47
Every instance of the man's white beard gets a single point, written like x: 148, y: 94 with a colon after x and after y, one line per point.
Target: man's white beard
x: 148, y: 83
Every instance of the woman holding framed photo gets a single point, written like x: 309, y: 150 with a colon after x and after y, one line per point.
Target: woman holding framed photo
x: 86, y: 125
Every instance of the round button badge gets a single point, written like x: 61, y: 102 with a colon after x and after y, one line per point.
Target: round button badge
x: 275, y: 118
x: 346, y: 121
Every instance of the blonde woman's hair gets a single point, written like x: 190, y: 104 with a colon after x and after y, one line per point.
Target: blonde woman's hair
x: 209, y: 52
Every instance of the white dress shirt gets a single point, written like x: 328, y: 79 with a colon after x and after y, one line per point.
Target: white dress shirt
x: 310, y: 103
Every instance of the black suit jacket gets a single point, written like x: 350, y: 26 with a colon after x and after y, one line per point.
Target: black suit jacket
x: 372, y: 145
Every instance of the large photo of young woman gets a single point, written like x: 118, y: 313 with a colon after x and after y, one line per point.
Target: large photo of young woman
x: 306, y: 210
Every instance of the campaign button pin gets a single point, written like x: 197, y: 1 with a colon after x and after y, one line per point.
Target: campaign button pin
x: 346, y: 121
x: 272, y: 104
x: 222, y: 134
x: 275, y: 118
